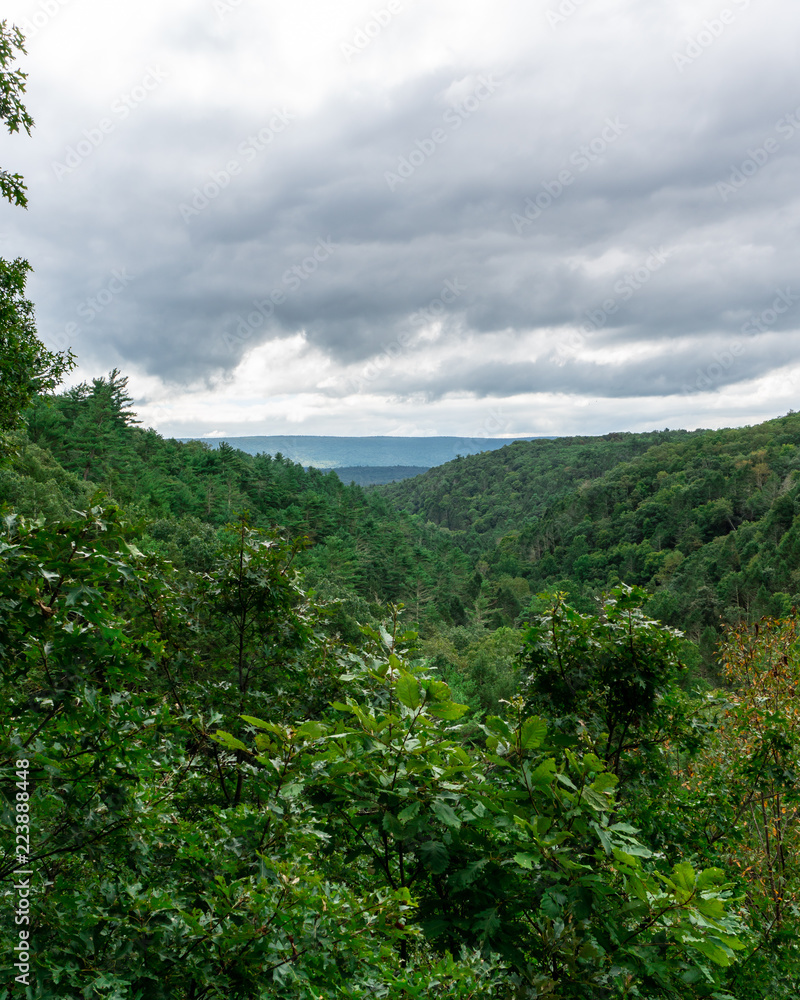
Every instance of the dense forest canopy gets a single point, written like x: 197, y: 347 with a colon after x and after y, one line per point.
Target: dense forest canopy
x: 277, y: 736
x: 704, y: 520
x: 480, y: 495
x: 269, y: 735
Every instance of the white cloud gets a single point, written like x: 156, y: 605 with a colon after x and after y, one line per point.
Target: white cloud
x: 355, y: 346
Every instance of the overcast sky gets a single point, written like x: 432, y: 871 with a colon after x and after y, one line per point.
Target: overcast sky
x: 418, y: 217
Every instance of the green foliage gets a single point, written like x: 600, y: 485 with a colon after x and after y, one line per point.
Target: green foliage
x: 479, y: 497
x: 26, y: 366
x: 508, y: 848
x: 190, y: 848
x: 12, y: 111
x: 480, y: 666
x: 605, y: 674
x: 36, y: 485
x: 740, y: 800
x: 361, y: 546
x: 240, y: 787
x: 155, y: 874
x: 704, y: 520
x: 91, y: 421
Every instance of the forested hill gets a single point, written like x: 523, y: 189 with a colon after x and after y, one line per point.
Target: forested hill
x: 361, y: 548
x: 707, y: 520
x: 375, y: 475
x: 710, y: 523
x: 236, y: 779
x: 480, y: 496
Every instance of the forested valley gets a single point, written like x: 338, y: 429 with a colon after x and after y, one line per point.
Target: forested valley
x: 525, y: 725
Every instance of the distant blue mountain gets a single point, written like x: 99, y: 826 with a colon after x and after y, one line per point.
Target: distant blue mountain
x: 346, y: 452
x: 377, y: 475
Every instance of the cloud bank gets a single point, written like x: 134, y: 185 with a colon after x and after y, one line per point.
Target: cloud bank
x: 408, y: 218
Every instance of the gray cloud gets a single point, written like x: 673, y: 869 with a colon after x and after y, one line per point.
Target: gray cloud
x: 537, y: 179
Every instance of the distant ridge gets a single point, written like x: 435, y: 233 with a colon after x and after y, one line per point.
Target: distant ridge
x: 347, y: 452
x: 378, y: 475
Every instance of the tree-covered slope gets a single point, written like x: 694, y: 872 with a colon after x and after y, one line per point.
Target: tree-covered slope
x: 212, y: 799
x: 227, y: 796
x: 377, y: 475
x: 87, y: 438
x: 480, y: 496
x: 705, y: 520
x: 709, y: 522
